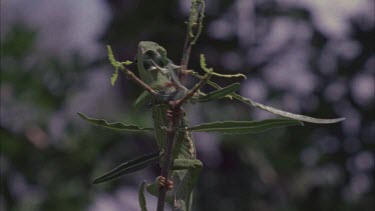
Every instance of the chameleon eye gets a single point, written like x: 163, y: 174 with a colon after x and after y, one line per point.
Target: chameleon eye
x: 147, y: 65
x: 156, y: 58
x: 151, y: 54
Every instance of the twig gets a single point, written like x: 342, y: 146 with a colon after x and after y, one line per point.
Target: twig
x: 194, y: 90
x: 166, y: 168
x: 193, y: 31
x: 131, y: 75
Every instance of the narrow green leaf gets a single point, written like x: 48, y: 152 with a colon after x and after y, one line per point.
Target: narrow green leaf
x: 242, y: 127
x: 111, y: 57
x: 206, y: 69
x: 114, y: 126
x: 229, y: 75
x: 114, y: 77
x: 127, y: 62
x: 219, y: 93
x: 141, y: 196
x: 142, y: 99
x: 273, y: 110
x: 285, y: 113
x: 129, y: 167
x: 114, y: 63
x: 204, y: 65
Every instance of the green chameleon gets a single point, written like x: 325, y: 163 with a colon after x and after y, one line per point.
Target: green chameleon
x: 162, y: 75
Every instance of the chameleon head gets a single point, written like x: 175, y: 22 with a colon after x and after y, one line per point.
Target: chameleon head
x: 158, y: 71
x: 150, y: 58
x: 149, y: 54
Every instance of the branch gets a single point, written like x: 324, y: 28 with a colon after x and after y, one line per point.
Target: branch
x: 121, y: 65
x: 168, y: 162
x: 193, y: 31
x: 133, y: 77
x: 194, y: 90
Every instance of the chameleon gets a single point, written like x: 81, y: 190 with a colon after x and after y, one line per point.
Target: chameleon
x: 159, y: 73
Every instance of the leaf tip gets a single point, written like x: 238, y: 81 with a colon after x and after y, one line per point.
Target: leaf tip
x: 95, y: 181
x: 127, y: 62
x: 81, y: 115
x: 114, y: 77
x: 341, y: 119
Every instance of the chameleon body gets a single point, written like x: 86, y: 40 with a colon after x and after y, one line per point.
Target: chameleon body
x: 161, y: 74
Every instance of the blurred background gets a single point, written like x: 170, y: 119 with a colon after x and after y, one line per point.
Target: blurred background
x: 310, y: 57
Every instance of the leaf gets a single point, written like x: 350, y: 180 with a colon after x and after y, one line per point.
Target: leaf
x: 219, y: 93
x: 204, y: 67
x: 242, y: 127
x: 114, y: 63
x: 117, y: 65
x: 141, y: 196
x: 114, y: 77
x: 273, y: 110
x: 130, y: 167
x: 127, y: 62
x: 142, y: 99
x: 114, y: 126
x: 285, y: 113
x: 111, y: 57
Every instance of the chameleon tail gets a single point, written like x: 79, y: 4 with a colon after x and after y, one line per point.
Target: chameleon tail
x: 141, y: 197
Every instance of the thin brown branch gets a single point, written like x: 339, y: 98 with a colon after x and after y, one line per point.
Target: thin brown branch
x: 185, y: 56
x: 133, y: 77
x: 194, y: 90
x: 166, y: 168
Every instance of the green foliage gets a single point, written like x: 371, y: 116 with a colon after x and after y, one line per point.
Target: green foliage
x: 276, y: 111
x: 130, y: 167
x: 207, y: 70
x: 44, y: 88
x: 243, y: 127
x: 114, y: 126
x: 18, y: 42
x: 159, y: 76
x: 195, y: 22
x: 117, y: 65
x: 220, y: 93
x: 155, y: 76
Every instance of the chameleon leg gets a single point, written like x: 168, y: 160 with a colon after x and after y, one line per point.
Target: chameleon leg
x: 186, y: 164
x: 141, y: 197
x: 169, y: 114
x: 186, y: 171
x: 162, y: 181
x: 153, y: 188
x: 181, y: 195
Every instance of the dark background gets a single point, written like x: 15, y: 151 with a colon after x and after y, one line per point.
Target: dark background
x: 311, y: 57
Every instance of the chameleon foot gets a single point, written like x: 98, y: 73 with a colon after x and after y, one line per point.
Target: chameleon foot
x: 162, y: 182
x: 170, y: 113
